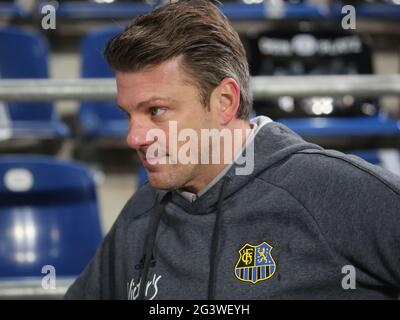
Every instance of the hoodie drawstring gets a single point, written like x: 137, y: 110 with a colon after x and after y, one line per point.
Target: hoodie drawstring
x: 215, y: 242
x: 151, y: 236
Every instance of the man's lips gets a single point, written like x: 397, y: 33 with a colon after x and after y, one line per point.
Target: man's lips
x: 151, y: 160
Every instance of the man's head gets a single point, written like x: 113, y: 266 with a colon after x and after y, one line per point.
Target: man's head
x: 187, y: 54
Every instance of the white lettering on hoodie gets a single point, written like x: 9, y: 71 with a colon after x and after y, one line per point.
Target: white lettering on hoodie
x: 133, y: 288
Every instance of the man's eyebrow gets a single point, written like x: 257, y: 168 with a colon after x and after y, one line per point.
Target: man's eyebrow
x: 153, y: 99
x: 148, y: 101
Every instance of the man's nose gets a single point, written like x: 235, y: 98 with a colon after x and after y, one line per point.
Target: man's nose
x: 137, y: 134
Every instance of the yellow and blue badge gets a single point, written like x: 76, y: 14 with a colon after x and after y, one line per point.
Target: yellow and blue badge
x: 255, y: 263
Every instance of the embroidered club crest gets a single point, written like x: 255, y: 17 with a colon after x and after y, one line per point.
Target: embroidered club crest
x: 255, y: 263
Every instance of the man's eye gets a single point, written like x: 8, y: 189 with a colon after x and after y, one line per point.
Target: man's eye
x: 156, y: 111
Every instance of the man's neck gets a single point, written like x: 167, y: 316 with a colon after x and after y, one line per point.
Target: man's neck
x: 240, y: 131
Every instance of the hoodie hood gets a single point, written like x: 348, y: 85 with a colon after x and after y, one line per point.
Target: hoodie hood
x: 270, y: 143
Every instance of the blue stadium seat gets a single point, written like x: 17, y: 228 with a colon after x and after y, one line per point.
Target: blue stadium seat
x: 233, y: 9
x: 371, y: 156
x: 339, y: 127
x: 117, y: 9
x: 24, y: 54
x: 48, y: 216
x: 12, y: 9
x: 142, y: 176
x: 99, y: 119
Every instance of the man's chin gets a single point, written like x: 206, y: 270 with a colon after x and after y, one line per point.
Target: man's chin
x: 162, y: 181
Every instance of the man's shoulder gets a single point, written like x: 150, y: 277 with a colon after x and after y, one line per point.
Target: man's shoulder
x: 343, y: 194
x: 348, y: 167
x: 314, y: 169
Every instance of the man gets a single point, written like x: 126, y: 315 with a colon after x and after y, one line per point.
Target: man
x: 274, y: 218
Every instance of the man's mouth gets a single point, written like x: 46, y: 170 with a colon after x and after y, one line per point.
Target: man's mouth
x: 154, y: 160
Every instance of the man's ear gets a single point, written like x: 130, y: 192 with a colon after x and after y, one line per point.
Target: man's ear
x: 227, y: 100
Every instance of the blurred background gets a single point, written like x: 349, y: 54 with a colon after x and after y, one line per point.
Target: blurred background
x: 65, y: 170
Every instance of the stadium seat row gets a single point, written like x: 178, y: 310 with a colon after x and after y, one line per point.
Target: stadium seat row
x: 234, y: 9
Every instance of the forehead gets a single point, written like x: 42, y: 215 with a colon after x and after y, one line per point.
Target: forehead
x: 167, y: 78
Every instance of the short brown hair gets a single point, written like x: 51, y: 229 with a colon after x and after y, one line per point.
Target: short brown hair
x: 197, y: 31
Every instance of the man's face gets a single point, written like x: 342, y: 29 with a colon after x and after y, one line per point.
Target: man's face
x: 153, y: 98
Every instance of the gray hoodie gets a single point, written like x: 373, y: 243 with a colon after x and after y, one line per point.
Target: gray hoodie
x: 308, y: 223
